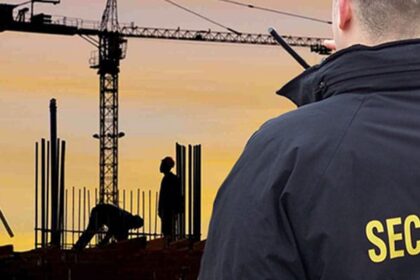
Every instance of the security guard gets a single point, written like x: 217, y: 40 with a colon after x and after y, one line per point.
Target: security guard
x: 331, y: 191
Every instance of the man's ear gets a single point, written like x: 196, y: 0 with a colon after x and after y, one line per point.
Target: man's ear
x: 345, y: 13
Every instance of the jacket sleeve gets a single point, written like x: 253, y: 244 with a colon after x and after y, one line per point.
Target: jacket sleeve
x: 250, y: 234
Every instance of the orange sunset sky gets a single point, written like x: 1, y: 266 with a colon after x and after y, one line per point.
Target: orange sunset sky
x: 212, y: 94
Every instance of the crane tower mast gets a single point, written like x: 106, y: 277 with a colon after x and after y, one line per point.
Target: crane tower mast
x: 111, y: 51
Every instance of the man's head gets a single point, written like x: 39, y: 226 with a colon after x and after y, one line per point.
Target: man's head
x: 372, y: 22
x: 166, y: 165
x: 137, y: 222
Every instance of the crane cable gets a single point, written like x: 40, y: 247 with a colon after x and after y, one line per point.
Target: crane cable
x: 276, y: 11
x: 203, y: 17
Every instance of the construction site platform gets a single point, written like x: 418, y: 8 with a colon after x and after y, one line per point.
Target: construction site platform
x: 131, y: 259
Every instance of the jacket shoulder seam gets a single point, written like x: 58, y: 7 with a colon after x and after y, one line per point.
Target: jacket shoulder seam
x: 340, y: 142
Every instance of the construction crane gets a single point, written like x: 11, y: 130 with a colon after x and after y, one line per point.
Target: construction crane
x: 110, y: 39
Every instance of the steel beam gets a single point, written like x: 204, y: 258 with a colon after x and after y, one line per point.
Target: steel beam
x: 55, y: 233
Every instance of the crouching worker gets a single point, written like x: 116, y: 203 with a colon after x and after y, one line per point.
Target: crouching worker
x: 118, y: 222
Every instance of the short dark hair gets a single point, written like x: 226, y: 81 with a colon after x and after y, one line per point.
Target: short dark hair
x: 383, y: 18
x: 169, y: 162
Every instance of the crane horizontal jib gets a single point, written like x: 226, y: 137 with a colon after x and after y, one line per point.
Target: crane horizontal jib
x: 75, y: 26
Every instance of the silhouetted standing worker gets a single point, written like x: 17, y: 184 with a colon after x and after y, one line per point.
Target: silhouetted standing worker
x: 118, y: 222
x: 170, y: 199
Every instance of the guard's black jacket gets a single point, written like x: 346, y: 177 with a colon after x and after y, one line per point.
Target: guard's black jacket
x: 330, y: 191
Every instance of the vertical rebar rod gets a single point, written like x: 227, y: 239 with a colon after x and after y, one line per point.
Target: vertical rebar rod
x: 47, y: 190
x: 195, y: 201
x: 178, y: 154
x: 36, y: 195
x: 199, y: 191
x: 84, y: 208
x: 143, y: 211
x: 150, y: 211
x: 124, y: 199
x: 88, y: 201
x: 138, y: 208
x: 58, y: 192
x: 131, y: 204
x: 96, y: 196
x: 65, y: 228
x: 80, y: 213
x: 190, y: 190
x: 62, y: 187
x: 184, y: 195
x: 55, y: 236
x: 72, y: 219
x: 156, y: 212
x: 43, y: 206
x: 131, y: 201
x: 88, y: 206
x: 96, y: 203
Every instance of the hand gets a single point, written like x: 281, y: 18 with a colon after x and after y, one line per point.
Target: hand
x: 330, y: 44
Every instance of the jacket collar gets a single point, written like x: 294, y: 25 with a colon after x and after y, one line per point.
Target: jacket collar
x: 358, y: 69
